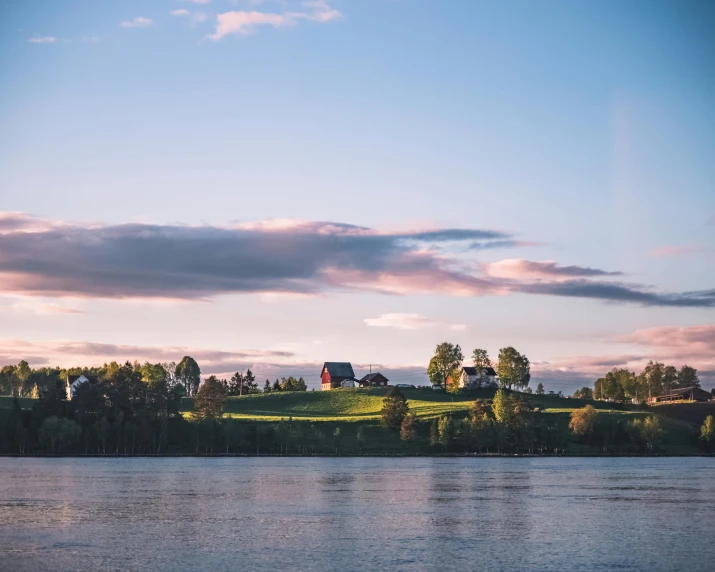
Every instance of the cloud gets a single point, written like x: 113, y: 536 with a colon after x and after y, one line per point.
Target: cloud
x: 198, y: 1
x: 246, y: 22
x: 81, y: 353
x: 408, y: 322
x: 401, y: 321
x: 138, y: 22
x: 520, y: 269
x: 675, y: 251
x: 153, y: 261
x: 42, y: 40
x: 195, y: 17
x: 674, y: 343
x: 55, y: 259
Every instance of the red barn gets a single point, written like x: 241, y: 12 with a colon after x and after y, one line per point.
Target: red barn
x: 334, y: 373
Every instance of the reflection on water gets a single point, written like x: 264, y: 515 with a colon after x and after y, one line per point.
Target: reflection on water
x: 357, y: 514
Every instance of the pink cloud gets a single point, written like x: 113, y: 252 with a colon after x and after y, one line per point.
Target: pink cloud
x: 246, y: 22
x: 675, y: 251
x: 520, y: 269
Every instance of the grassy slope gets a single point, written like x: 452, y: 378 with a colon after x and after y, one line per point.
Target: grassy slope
x: 365, y: 404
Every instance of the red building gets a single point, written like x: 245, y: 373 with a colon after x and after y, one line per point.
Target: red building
x: 335, y: 374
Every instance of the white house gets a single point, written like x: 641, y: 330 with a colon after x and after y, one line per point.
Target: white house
x: 471, y: 378
x: 74, y: 381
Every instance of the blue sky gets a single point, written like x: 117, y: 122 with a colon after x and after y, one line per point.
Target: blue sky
x: 581, y: 134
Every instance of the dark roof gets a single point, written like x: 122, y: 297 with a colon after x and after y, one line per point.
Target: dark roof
x: 339, y: 369
x: 473, y: 371
x: 696, y: 391
x: 371, y: 376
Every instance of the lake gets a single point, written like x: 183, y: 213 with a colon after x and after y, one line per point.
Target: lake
x: 357, y: 514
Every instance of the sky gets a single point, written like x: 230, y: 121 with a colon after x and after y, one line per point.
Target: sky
x: 277, y: 183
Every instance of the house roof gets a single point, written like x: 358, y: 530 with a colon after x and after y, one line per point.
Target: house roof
x: 371, y: 376
x: 473, y: 371
x: 338, y: 369
x: 696, y: 391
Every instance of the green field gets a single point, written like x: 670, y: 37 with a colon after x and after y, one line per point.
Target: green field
x: 364, y: 404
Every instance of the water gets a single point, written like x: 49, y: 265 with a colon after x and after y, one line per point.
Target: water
x: 357, y: 514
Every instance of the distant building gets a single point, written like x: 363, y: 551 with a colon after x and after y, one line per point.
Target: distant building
x: 470, y: 378
x: 74, y: 381
x: 335, y: 373
x: 405, y: 385
x: 373, y: 380
x: 682, y: 394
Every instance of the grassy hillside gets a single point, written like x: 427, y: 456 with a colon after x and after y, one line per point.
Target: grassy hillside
x: 365, y: 404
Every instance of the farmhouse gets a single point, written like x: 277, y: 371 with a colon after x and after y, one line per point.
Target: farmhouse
x: 682, y: 394
x: 373, y: 379
x: 472, y: 378
x: 337, y: 374
x: 74, y: 381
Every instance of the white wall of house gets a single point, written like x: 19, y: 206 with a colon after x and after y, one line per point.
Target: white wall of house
x: 473, y: 381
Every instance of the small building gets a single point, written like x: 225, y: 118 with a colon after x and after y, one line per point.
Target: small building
x: 334, y: 373
x: 472, y: 378
x: 74, y: 381
x: 373, y: 380
x: 405, y: 385
x: 682, y: 394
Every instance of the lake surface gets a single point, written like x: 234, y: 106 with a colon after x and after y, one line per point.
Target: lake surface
x: 357, y: 514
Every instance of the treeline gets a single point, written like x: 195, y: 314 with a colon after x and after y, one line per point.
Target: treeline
x: 185, y: 377
x: 129, y: 409
x: 512, y: 368
x: 621, y: 384
x: 510, y: 424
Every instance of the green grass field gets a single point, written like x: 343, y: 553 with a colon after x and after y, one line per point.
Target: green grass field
x: 365, y: 404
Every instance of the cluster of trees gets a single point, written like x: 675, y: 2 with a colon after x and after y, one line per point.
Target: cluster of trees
x: 131, y: 408
x: 621, y: 384
x: 512, y: 368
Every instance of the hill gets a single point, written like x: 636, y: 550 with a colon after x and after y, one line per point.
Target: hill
x: 364, y: 404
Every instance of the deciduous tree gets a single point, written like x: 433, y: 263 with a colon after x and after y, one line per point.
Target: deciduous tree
x: 447, y: 358
x: 189, y: 374
x: 394, y: 409
x: 513, y: 369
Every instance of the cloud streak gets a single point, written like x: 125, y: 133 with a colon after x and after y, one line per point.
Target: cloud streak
x: 53, y: 259
x: 138, y: 22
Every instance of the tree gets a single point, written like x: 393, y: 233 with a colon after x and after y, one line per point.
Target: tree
x: 540, y: 389
x: 434, y: 432
x: 189, y: 375
x: 481, y: 361
x: 670, y: 378
x: 394, y: 409
x: 447, y: 358
x: 583, y: 393
x: 408, y: 427
x: 235, y: 385
x: 688, y: 377
x: 503, y: 407
x: 360, y: 437
x: 267, y: 387
x: 651, y: 431
x: 209, y: 399
x: 249, y: 382
x: 446, y: 431
x: 276, y: 385
x: 336, y: 439
x: 453, y: 382
x: 653, y: 377
x: 513, y: 369
x: 583, y: 421
x: 707, y: 432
